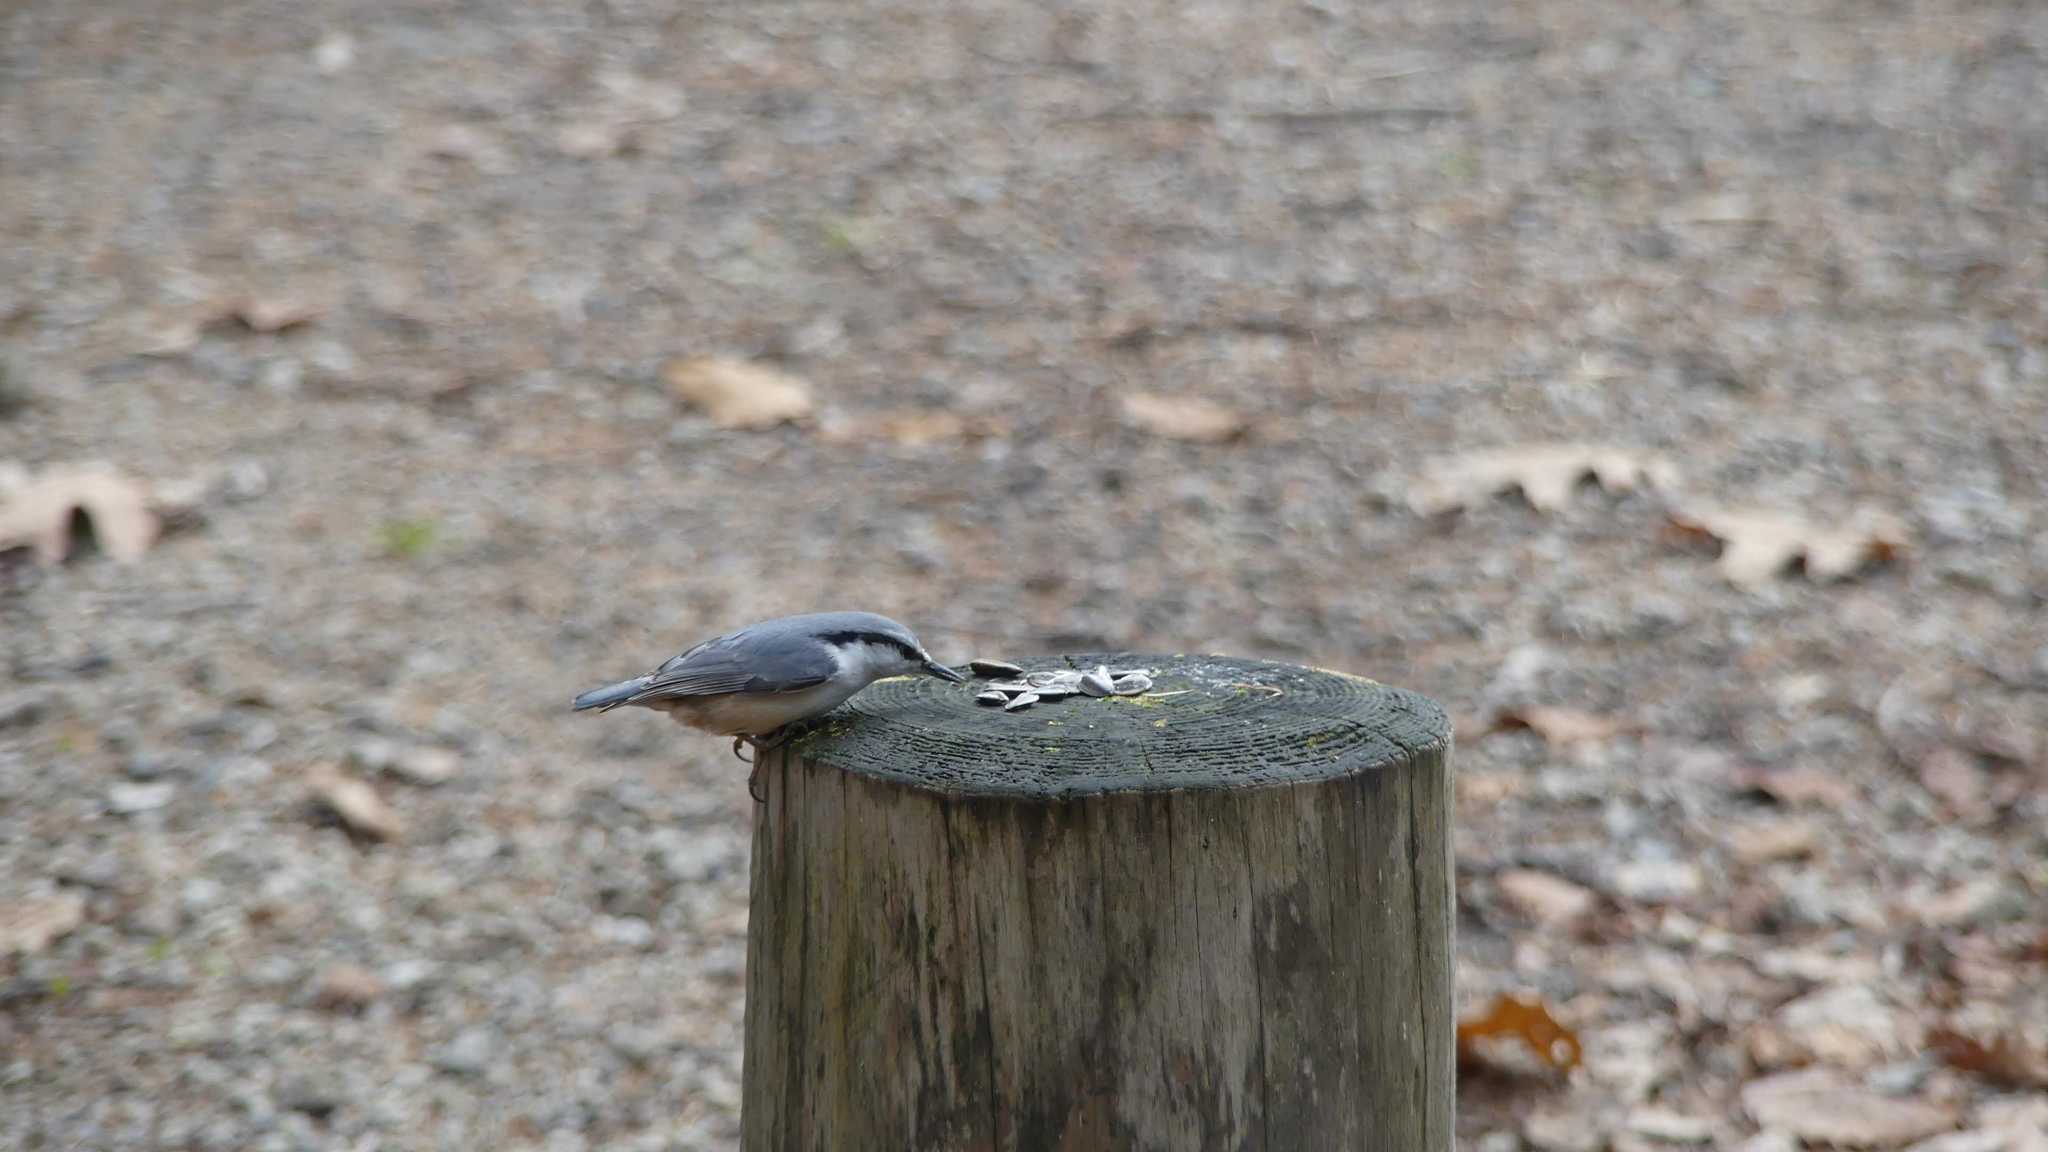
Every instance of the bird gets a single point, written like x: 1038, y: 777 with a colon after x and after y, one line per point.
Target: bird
x: 753, y: 684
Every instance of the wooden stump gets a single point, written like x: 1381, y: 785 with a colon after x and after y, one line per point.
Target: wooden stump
x: 1216, y: 916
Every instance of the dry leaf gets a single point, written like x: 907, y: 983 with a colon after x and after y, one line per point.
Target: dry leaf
x: 911, y: 427
x: 357, y: 804
x: 1668, y: 1127
x: 1766, y: 841
x: 1567, y: 1131
x: 468, y: 143
x: 39, y: 513
x: 346, y: 987
x: 1526, y: 1021
x: 1842, y: 1025
x: 2009, y: 1060
x: 1822, y: 1106
x: 1955, y: 778
x: 274, y: 313
x: 1183, y: 418
x: 1544, y: 898
x: 1546, y: 475
x: 1797, y: 786
x: 1984, y: 900
x: 1758, y: 544
x: 30, y: 926
x: 738, y: 394
x: 1559, y: 726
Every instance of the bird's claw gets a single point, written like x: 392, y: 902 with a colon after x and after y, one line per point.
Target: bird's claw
x: 759, y: 744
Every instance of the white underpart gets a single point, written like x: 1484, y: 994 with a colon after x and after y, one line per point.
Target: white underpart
x: 757, y: 714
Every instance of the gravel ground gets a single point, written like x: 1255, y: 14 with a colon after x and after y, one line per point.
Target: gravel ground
x: 1800, y: 252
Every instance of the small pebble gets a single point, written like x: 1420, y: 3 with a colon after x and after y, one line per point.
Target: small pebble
x: 425, y: 766
x: 466, y: 1055
x: 994, y: 668
x: 1023, y: 700
x: 128, y: 799
x: 345, y: 987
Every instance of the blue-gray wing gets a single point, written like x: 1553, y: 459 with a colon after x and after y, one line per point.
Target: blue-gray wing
x: 743, y: 662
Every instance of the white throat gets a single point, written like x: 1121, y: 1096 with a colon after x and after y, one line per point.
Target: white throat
x: 866, y: 663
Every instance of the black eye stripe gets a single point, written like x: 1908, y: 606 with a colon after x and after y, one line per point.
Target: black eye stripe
x: 858, y: 637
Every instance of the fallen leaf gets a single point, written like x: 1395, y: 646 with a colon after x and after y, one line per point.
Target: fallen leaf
x: 346, y: 987
x: 2009, y: 1060
x: 594, y: 139
x: 1797, y: 785
x: 911, y: 427
x: 1984, y: 900
x: 1822, y: 1106
x: 1767, y: 841
x: 1183, y: 418
x: 1843, y: 1026
x: 357, y: 804
x: 1546, y: 475
x: 1955, y: 778
x: 1568, y: 1131
x: 1757, y: 544
x: 470, y: 144
x: 1666, y: 1126
x: 30, y: 926
x: 39, y: 514
x: 1526, y: 1021
x: 738, y: 394
x: 1975, y: 1140
x: 1544, y: 898
x: 273, y: 313
x: 1559, y: 726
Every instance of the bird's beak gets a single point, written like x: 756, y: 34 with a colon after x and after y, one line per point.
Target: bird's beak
x: 934, y: 668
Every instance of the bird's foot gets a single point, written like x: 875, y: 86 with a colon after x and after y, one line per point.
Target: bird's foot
x: 759, y: 744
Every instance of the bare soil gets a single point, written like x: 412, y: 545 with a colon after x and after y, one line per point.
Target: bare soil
x: 1798, y: 249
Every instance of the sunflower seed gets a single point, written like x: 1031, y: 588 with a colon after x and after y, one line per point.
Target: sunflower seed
x: 1010, y: 687
x: 1042, y: 679
x: 1120, y: 673
x: 1135, y: 684
x: 1024, y: 701
x: 995, y: 668
x: 991, y: 697
x: 1096, y: 682
x: 1055, y: 691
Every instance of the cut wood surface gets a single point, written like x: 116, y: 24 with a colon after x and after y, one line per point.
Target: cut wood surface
x: 1215, y: 916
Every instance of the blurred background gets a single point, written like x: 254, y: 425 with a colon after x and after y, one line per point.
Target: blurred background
x: 469, y: 355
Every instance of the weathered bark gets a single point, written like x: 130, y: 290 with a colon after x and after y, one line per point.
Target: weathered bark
x: 1219, y: 919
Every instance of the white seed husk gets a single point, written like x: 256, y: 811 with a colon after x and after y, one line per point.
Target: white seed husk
x: 1136, y: 684
x: 991, y: 697
x: 1024, y: 701
x: 1098, y: 683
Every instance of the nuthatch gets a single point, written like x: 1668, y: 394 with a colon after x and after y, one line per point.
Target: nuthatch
x: 753, y: 683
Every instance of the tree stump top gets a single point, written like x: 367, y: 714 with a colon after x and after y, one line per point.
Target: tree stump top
x: 1209, y: 722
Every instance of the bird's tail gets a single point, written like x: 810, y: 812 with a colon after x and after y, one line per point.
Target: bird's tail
x: 612, y: 695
